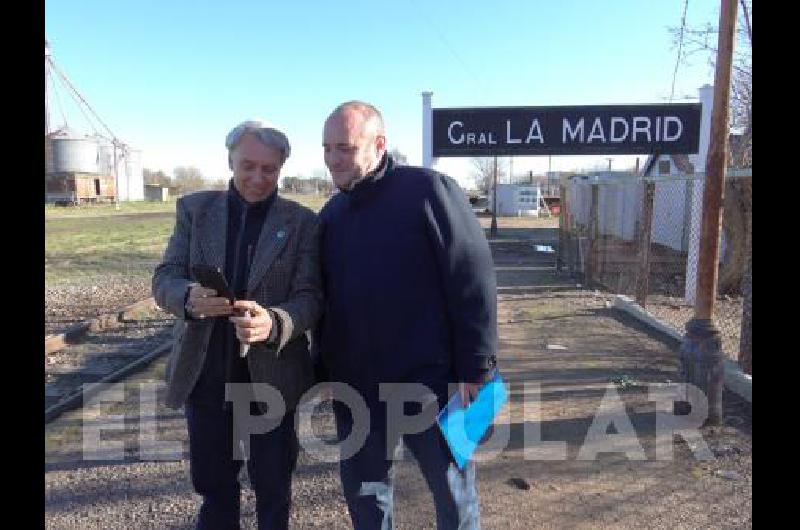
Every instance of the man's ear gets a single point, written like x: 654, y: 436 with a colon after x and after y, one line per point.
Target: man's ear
x: 380, y: 143
x: 230, y: 162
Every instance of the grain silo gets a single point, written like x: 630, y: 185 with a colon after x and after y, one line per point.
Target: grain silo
x: 128, y: 168
x: 72, y: 175
x: 80, y: 168
x: 105, y: 156
x: 73, y: 153
x: 134, y: 175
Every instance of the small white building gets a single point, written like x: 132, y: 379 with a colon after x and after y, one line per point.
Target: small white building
x: 156, y: 192
x: 517, y: 200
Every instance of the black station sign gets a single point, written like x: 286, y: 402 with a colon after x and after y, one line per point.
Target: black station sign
x: 582, y: 130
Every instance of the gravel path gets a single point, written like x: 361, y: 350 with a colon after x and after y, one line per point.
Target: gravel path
x: 79, y: 300
x: 569, y: 342
x: 610, y: 491
x: 99, y: 352
x: 727, y: 316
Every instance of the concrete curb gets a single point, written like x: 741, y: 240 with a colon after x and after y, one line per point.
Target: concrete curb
x: 736, y: 380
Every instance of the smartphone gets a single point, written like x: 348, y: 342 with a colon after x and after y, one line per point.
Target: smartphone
x: 213, y: 278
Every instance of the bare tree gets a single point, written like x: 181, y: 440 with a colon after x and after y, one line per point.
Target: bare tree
x: 399, y: 158
x: 746, y: 337
x: 188, y: 179
x: 156, y: 177
x: 701, y: 41
x: 483, y: 172
x: 217, y: 184
x: 737, y: 209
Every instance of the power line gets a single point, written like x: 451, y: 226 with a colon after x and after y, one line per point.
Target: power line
x: 58, y: 98
x: 78, y: 94
x: 680, y: 48
x: 77, y: 101
x: 86, y: 117
x: 747, y: 25
x: 455, y: 54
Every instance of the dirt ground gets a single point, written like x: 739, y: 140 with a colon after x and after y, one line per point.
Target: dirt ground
x: 569, y: 342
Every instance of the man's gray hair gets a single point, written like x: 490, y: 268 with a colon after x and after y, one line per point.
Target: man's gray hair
x: 265, y: 132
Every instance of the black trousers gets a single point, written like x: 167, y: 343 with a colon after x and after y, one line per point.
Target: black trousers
x: 215, y: 473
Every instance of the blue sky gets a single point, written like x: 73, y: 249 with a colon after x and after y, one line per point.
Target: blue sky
x: 171, y: 78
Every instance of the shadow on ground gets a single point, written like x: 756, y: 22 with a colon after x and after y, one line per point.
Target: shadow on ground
x: 575, y: 366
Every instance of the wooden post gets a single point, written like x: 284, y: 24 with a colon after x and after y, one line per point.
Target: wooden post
x: 643, y: 274
x: 493, y: 227
x: 562, y: 230
x: 572, y: 239
x: 716, y: 164
x: 701, y: 352
x: 591, y: 253
x: 746, y: 338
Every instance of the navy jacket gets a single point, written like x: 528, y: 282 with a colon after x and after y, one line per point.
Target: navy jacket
x: 409, y: 282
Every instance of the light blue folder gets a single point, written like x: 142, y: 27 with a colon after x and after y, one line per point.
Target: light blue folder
x: 462, y: 427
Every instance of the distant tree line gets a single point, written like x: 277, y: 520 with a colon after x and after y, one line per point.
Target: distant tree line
x: 299, y: 184
x: 184, y: 179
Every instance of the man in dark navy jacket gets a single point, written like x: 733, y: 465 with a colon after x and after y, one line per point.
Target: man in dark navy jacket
x: 410, y: 294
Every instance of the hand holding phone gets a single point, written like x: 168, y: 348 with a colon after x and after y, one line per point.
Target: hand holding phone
x: 213, y: 297
x: 213, y: 278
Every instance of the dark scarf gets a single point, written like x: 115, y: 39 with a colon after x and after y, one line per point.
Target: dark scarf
x: 245, y: 220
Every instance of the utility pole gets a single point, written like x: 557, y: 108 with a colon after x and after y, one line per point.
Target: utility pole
x: 493, y: 228
x: 701, y: 352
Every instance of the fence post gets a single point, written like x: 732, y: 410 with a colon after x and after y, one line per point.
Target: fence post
x: 643, y: 275
x: 591, y: 257
x: 562, y: 229
x: 746, y: 338
x: 572, y: 238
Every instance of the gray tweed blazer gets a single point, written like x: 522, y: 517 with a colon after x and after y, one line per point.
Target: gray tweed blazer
x: 284, y: 276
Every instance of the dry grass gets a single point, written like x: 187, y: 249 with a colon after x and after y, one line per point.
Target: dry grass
x: 98, y: 240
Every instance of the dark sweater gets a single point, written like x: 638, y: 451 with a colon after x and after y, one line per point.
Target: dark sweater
x: 223, y: 363
x: 244, y: 228
x: 409, y: 282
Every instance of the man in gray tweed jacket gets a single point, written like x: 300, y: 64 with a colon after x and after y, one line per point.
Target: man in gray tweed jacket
x: 267, y: 247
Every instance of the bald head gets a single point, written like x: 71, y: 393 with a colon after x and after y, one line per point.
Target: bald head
x: 367, y: 116
x: 354, y: 142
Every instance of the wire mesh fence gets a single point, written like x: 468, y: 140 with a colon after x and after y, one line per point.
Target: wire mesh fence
x: 641, y: 238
